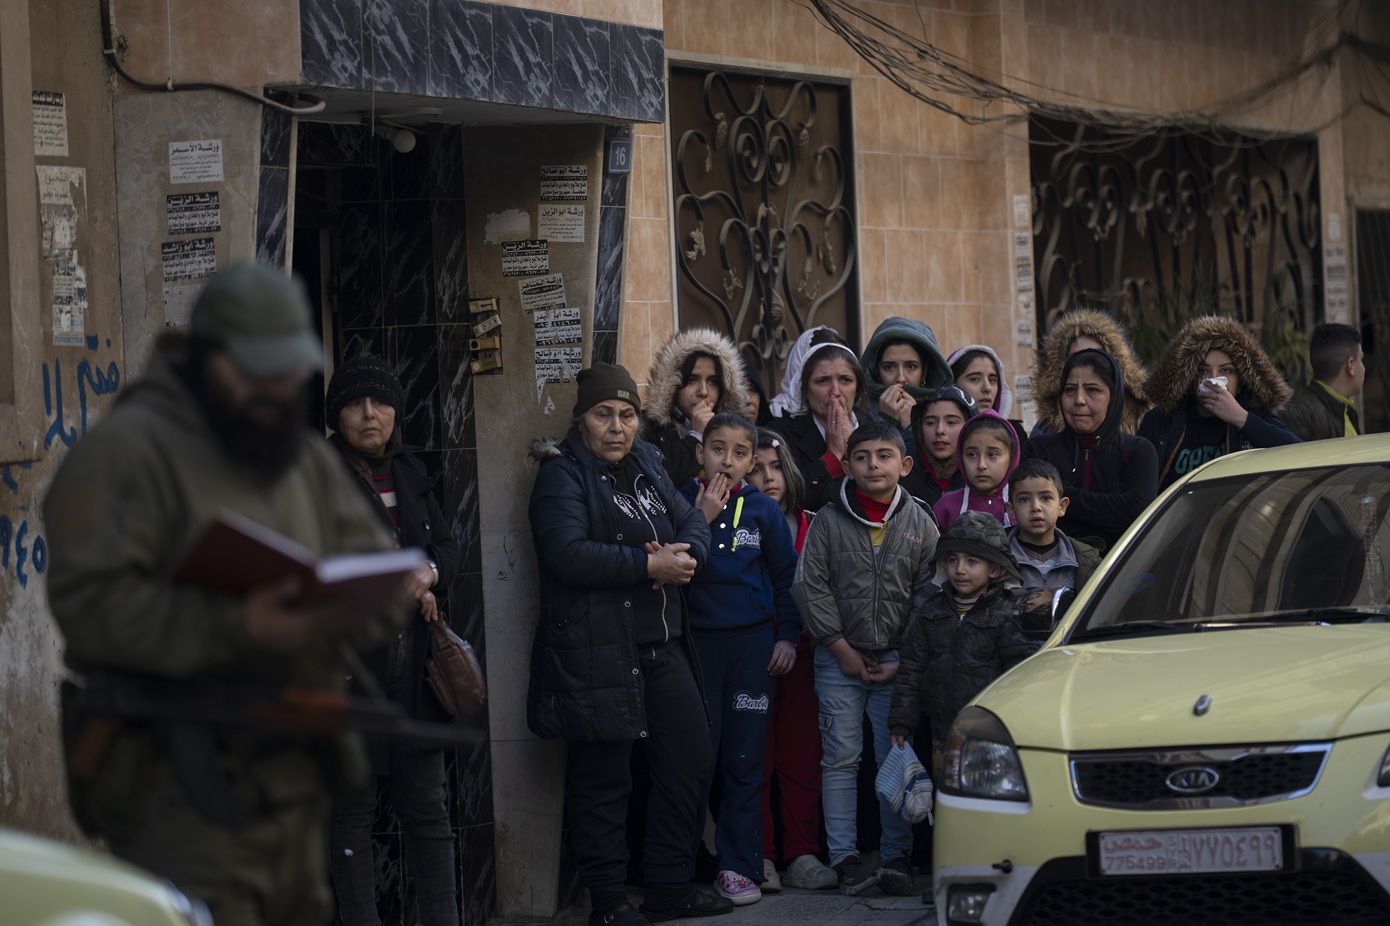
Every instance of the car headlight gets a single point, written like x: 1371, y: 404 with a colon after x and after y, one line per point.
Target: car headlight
x: 1383, y: 779
x: 981, y: 760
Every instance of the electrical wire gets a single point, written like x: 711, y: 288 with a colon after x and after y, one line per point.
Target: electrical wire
x: 112, y: 55
x: 929, y: 73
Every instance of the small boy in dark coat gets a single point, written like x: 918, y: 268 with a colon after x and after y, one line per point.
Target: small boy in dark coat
x: 964, y: 636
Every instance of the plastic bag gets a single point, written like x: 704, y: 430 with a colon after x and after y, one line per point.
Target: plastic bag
x: 904, y: 784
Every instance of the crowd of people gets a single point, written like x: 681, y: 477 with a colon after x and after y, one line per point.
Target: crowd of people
x: 810, y: 578
x: 835, y: 572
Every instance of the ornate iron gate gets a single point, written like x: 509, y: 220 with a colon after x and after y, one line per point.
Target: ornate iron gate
x: 1158, y: 229
x: 764, y: 209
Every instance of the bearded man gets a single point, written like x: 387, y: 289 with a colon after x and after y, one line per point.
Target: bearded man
x: 233, y: 815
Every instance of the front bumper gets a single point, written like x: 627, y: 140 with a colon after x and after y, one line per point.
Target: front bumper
x: 1034, y: 855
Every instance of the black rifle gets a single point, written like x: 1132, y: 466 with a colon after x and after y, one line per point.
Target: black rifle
x: 188, y: 710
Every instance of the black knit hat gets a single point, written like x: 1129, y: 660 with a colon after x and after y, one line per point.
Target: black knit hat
x: 363, y: 377
x: 604, y: 381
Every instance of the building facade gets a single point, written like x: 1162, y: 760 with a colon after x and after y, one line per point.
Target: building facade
x: 491, y: 195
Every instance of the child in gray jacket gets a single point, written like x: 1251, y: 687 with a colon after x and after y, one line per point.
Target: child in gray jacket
x: 865, y: 567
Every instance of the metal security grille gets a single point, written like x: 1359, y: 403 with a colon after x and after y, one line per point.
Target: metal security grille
x: 1373, y: 298
x: 766, y: 239
x: 1161, y: 228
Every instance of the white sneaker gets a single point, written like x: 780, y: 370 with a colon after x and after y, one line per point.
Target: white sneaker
x: 741, y: 889
x: 809, y: 873
x: 772, y: 881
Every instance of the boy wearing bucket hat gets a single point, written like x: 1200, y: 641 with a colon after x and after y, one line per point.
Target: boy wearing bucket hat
x: 964, y: 636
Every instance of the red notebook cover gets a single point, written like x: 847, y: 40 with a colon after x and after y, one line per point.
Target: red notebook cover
x: 235, y: 555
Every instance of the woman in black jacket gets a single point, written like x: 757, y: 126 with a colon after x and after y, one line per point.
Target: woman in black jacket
x: 1215, y: 391
x: 612, y: 664
x: 1109, y: 476
x: 363, y: 401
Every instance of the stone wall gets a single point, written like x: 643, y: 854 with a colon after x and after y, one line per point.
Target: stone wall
x: 69, y: 386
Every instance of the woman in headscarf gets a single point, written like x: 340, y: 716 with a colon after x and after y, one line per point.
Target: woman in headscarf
x: 697, y: 374
x: 830, y: 400
x: 364, y: 405
x: 1109, y: 476
x: 612, y: 665
x: 979, y: 371
x: 902, y: 365
x: 1215, y: 391
x: 1078, y: 330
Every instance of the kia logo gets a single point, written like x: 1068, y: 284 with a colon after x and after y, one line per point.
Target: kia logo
x: 1194, y: 779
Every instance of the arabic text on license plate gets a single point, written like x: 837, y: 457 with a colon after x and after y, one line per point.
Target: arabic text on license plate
x: 1154, y: 852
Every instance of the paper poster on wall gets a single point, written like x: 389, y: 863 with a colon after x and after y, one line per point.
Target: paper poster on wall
x: 557, y: 365
x: 1021, y: 211
x: 50, y: 124
x: 1023, y: 262
x: 178, y: 302
x: 1335, y: 302
x: 62, y: 207
x: 544, y: 292
x: 506, y: 225
x: 557, y: 326
x: 565, y: 182
x: 195, y: 161
x: 69, y: 301
x: 560, y: 222
x: 525, y: 258
x: 62, y: 202
x: 1024, y: 406
x: 193, y: 213
x: 194, y: 259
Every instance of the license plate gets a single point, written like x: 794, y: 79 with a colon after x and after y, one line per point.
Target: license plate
x: 1197, y: 851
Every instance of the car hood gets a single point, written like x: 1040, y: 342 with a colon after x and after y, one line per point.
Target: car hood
x: 1265, y: 685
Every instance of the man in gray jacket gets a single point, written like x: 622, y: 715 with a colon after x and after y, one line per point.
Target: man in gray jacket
x: 866, y: 565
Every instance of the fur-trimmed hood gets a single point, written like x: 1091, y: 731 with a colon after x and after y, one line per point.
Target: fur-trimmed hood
x: 545, y: 448
x: 664, y: 380
x: 1174, y: 377
x: 1047, y: 368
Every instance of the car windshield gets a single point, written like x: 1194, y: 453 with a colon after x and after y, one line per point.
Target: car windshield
x: 1301, y: 546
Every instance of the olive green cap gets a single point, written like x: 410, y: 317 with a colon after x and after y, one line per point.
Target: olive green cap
x: 262, y: 318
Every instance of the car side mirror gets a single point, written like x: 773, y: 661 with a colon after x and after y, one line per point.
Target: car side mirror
x: 1061, y: 600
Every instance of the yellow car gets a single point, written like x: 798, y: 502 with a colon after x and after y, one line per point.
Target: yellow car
x: 46, y: 883
x: 1205, y: 737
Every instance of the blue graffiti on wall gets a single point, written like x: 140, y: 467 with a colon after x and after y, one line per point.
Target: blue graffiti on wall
x: 96, y: 381
x: 22, y: 548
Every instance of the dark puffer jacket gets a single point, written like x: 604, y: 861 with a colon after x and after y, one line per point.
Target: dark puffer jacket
x: 948, y: 659
x: 585, y: 682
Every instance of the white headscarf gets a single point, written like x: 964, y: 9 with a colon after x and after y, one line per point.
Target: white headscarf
x: 1004, y: 401
x: 788, y: 401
